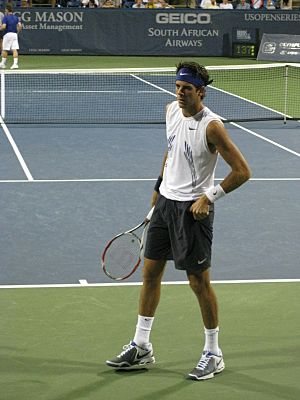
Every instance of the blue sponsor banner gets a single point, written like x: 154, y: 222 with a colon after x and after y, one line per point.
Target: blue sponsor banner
x: 188, y: 32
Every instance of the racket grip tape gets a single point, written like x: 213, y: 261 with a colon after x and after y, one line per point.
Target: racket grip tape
x: 150, y: 214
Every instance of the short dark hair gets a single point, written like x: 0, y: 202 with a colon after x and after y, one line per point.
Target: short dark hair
x: 196, y: 69
x: 9, y: 7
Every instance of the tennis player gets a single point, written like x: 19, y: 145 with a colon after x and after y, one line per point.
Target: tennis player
x: 181, y: 227
x: 11, y: 25
x: 1, y: 32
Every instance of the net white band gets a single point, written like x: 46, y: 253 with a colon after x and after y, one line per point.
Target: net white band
x: 215, y: 193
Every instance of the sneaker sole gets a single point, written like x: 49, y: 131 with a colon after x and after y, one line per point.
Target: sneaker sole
x: 124, y: 366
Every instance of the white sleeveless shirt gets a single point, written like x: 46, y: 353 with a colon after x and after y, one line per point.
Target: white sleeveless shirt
x: 190, y: 167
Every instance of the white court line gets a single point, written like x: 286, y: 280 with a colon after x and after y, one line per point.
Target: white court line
x: 80, y: 180
x: 90, y: 91
x: 266, y: 139
x: 153, y: 85
x: 80, y: 285
x: 128, y: 180
x: 77, y: 91
x: 16, y: 150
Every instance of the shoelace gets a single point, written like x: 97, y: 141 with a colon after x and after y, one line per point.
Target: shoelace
x: 204, y: 360
x: 126, y: 348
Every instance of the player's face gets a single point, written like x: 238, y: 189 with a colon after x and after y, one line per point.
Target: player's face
x: 188, y: 96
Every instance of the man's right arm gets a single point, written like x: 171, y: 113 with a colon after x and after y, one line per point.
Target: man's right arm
x: 156, y: 190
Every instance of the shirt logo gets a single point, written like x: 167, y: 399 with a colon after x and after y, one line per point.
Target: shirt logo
x: 170, y: 142
x: 188, y: 153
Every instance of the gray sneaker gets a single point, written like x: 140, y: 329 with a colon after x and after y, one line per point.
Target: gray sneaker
x: 208, y: 365
x: 132, y: 357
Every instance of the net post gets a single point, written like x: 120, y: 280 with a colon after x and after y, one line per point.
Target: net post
x: 2, y: 95
x: 286, y: 75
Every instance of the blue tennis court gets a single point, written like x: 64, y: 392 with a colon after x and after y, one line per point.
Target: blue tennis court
x: 69, y: 184
x: 70, y: 188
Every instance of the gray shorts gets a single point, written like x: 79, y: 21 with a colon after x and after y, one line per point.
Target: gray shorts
x: 174, y: 234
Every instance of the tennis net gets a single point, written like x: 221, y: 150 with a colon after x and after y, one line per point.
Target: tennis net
x: 112, y: 96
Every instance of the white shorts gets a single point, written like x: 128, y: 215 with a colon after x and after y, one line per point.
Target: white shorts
x: 10, y: 41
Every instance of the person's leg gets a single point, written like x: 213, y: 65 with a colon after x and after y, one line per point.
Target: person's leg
x: 201, y: 286
x: 15, y: 57
x: 139, y: 352
x: 150, y: 292
x: 4, y: 55
x: 15, y: 51
x: 157, y: 249
x: 211, y: 361
x: 149, y: 298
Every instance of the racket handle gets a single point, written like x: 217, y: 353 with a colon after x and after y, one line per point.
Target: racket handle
x: 150, y: 214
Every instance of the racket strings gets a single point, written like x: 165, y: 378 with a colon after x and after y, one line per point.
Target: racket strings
x: 122, y: 255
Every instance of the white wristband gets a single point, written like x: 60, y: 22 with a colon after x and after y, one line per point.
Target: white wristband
x: 215, y: 193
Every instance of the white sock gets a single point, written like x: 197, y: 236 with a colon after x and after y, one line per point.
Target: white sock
x: 143, y: 330
x: 3, y: 60
x: 211, y: 340
x: 15, y: 61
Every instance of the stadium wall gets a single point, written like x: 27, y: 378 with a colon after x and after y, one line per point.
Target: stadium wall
x: 188, y: 32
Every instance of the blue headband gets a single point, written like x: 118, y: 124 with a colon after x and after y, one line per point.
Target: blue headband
x: 186, y: 75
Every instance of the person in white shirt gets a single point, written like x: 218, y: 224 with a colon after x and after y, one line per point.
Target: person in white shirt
x: 225, y: 5
x: 181, y: 226
x: 11, y: 26
x: 87, y: 3
x: 138, y: 4
x: 205, y: 4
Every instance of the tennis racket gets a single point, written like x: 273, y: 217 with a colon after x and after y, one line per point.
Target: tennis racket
x: 122, y: 254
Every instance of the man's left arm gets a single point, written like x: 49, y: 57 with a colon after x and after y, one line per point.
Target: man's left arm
x: 219, y: 140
